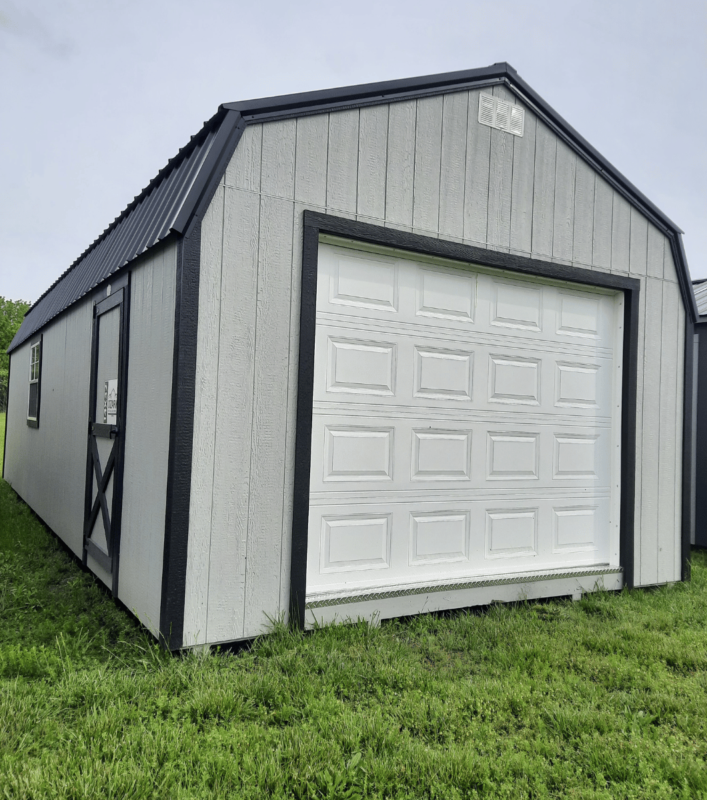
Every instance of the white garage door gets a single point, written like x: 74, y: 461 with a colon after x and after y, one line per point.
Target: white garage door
x: 466, y: 422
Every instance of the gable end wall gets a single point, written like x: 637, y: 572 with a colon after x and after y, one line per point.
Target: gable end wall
x: 425, y: 166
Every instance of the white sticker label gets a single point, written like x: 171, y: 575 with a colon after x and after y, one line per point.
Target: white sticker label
x: 110, y: 402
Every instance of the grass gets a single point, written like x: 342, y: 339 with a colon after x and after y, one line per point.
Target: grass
x: 604, y: 698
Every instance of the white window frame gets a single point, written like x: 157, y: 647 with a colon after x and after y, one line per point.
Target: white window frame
x: 35, y: 377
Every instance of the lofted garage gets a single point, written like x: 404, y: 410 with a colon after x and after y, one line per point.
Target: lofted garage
x: 376, y: 351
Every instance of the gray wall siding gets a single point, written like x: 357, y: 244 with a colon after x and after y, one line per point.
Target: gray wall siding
x: 152, y: 298
x: 47, y: 465
x: 424, y: 166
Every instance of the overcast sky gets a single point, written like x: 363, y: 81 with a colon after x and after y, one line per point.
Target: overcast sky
x: 96, y: 96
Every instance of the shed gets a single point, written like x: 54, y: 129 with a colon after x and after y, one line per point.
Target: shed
x: 365, y: 352
x: 699, y: 533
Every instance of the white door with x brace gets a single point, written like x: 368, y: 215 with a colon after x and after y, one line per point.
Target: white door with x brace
x: 466, y: 422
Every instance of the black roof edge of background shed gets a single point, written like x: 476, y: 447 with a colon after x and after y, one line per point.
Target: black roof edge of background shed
x: 174, y: 194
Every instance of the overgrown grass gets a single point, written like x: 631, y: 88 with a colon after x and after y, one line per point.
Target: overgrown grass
x: 605, y: 698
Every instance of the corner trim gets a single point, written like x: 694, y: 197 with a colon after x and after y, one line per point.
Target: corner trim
x: 181, y: 432
x: 181, y: 424
x: 7, y: 416
x: 689, y: 427
x: 316, y: 223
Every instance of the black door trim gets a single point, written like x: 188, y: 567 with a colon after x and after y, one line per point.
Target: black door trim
x: 315, y: 224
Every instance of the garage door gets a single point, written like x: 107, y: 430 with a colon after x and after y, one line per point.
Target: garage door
x: 466, y: 422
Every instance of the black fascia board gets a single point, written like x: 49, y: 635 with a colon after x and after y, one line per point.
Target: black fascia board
x: 382, y: 92
x: 213, y: 168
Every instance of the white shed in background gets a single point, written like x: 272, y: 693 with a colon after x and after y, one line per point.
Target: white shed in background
x: 370, y: 351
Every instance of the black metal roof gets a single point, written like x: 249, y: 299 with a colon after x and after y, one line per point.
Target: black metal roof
x: 162, y: 208
x: 168, y: 204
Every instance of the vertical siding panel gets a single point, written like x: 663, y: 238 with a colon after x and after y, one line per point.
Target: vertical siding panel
x: 453, y: 160
x: 202, y: 470
x: 583, y: 213
x: 293, y: 367
x: 563, y: 217
x: 311, y: 159
x: 243, y: 170
x: 669, y: 271
x: 639, y: 243
x: 51, y: 422
x: 342, y: 171
x: 476, y: 191
x: 544, y: 190
x: 498, y: 230
x: 269, y: 428
x: 603, y: 213
x: 152, y: 297
x: 234, y: 418
x: 669, y: 440
x: 278, y: 169
x: 656, y: 252
x: 372, y: 161
x: 620, y: 234
x: 401, y: 163
x: 428, y: 151
x: 77, y: 371
x: 523, y: 181
x: 651, y: 432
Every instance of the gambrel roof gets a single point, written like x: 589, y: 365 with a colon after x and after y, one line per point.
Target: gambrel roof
x: 179, y: 193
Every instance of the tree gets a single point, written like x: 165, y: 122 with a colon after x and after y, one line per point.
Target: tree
x: 11, y: 314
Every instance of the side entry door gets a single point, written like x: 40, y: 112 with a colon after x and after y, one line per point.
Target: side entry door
x: 106, y: 429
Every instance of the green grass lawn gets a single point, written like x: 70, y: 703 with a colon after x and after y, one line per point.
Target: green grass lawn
x: 602, y: 698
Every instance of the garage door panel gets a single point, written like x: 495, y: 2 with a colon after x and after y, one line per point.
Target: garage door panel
x: 465, y: 423
x: 420, y: 541
x: 419, y: 452
x: 399, y: 290
x: 400, y: 369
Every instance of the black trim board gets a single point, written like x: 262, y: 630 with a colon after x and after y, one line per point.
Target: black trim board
x: 315, y: 224
x: 119, y: 471
x: 7, y: 416
x: 700, y: 454
x: 181, y: 427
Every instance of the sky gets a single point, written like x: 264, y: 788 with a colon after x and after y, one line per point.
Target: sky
x: 96, y: 96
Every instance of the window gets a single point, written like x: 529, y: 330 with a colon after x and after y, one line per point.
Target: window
x: 35, y: 378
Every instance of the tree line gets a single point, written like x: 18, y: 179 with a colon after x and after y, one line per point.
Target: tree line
x: 11, y: 315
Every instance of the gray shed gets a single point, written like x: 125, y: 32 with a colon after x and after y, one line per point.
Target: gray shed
x: 699, y: 531
x: 365, y: 352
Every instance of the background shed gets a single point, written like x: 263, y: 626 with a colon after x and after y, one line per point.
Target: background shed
x: 301, y: 235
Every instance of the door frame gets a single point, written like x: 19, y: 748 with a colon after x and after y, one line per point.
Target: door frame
x: 316, y: 223
x: 115, y: 293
